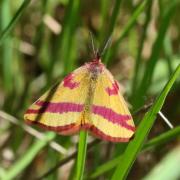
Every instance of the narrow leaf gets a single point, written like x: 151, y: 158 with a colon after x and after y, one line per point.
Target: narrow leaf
x: 14, y: 20
x: 81, y: 154
x: 157, y: 141
x: 146, y: 124
x: 28, y: 157
x: 167, y: 168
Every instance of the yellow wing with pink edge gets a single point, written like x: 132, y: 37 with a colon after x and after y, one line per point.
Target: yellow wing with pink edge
x: 110, y: 116
x: 60, y: 109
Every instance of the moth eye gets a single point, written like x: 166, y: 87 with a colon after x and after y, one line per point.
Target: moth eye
x: 69, y: 82
x: 113, y: 90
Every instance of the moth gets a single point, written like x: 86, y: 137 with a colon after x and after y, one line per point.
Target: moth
x: 88, y: 98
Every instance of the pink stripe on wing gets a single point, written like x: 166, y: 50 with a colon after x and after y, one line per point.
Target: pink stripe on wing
x: 68, y: 129
x: 68, y: 82
x: 62, y: 107
x: 97, y: 132
x: 112, y: 116
x: 113, y: 90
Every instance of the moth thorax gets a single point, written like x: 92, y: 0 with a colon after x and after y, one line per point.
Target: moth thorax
x: 95, y: 67
x: 96, y: 70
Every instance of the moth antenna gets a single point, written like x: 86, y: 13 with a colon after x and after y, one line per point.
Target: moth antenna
x: 98, y: 54
x: 106, y: 45
x: 92, y: 43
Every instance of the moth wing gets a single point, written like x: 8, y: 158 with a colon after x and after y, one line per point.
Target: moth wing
x: 60, y: 108
x: 110, y: 116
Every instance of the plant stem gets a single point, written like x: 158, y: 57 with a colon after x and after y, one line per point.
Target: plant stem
x: 81, y: 154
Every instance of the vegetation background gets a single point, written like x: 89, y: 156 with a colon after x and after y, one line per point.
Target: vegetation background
x: 42, y: 41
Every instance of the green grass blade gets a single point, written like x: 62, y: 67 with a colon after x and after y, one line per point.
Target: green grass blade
x: 157, y: 141
x: 163, y: 138
x: 106, y: 167
x: 135, y: 145
x: 148, y: 73
x: 6, y: 56
x: 64, y: 54
x: 2, y: 172
x: 14, y: 20
x: 138, y: 62
x: 168, y: 50
x: 81, y: 154
x: 70, y: 24
x: 167, y: 168
x: 112, y: 52
x: 113, y: 20
x: 114, y: 17
x: 27, y: 158
x: 103, y: 18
